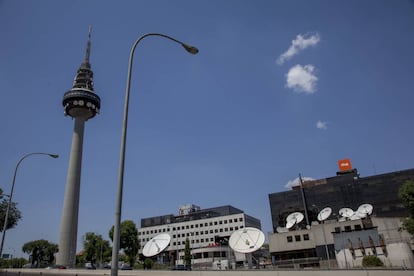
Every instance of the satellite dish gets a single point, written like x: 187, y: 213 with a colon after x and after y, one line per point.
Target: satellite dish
x: 325, y: 213
x: 156, y: 245
x: 246, y: 240
x: 290, y: 223
x: 360, y: 215
x: 355, y: 216
x: 346, y: 212
x: 365, y: 209
x: 296, y: 217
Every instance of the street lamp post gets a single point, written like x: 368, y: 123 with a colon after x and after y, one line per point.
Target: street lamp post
x: 11, y: 192
x: 118, y: 208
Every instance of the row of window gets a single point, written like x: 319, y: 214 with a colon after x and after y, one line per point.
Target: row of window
x: 298, y: 238
x: 192, y: 226
x: 197, y: 233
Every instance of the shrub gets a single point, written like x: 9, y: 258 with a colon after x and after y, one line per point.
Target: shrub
x: 372, y: 261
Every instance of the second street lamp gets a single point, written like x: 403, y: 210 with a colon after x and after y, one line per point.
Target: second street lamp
x: 118, y: 208
x: 11, y: 192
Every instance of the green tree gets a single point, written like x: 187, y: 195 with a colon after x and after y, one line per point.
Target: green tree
x: 129, y: 241
x: 406, y: 194
x: 187, y: 253
x: 95, y: 248
x: 41, y: 252
x: 14, y: 213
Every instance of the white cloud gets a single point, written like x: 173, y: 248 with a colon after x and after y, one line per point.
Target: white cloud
x: 302, y: 78
x: 295, y: 182
x: 321, y: 125
x: 300, y: 43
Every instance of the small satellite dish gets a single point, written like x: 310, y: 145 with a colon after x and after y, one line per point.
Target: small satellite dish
x: 325, y: 213
x: 156, y: 245
x: 296, y: 217
x: 365, y: 209
x: 246, y: 240
x: 346, y: 212
x: 290, y: 223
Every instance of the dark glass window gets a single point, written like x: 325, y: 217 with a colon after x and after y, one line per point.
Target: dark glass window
x: 289, y: 239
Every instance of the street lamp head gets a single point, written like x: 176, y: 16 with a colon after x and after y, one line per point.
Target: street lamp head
x: 54, y: 155
x: 191, y: 49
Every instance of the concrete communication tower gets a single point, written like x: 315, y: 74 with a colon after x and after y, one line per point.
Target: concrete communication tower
x: 81, y: 103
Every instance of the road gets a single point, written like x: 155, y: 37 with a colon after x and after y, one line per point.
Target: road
x: 313, y: 272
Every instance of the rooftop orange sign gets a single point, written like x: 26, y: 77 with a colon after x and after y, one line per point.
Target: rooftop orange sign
x: 344, y: 165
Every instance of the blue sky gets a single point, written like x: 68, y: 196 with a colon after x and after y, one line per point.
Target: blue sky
x: 279, y: 88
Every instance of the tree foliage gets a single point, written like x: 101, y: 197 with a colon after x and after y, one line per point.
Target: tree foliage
x: 371, y: 260
x: 14, y: 213
x: 406, y: 194
x: 41, y: 252
x: 95, y: 248
x: 129, y: 241
x: 187, y: 253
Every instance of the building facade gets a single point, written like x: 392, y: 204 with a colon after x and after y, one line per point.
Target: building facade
x: 207, y: 230
x: 342, y: 241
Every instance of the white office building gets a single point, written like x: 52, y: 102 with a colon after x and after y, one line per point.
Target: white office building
x: 208, y: 231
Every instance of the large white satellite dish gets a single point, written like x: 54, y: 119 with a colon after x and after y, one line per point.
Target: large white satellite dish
x: 156, y: 245
x: 246, y: 240
x: 325, y: 213
x: 365, y: 209
x: 296, y: 217
x: 346, y: 212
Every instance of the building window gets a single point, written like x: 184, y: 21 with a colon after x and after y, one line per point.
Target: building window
x: 358, y: 227
x: 235, y: 220
x: 231, y: 228
x: 348, y: 228
x: 211, y: 231
x: 337, y: 229
x: 221, y: 230
x: 236, y: 228
x: 225, y: 221
x: 230, y: 221
x: 173, y: 228
x: 297, y: 238
x: 305, y: 237
x: 289, y: 239
x: 211, y: 223
x: 220, y: 222
x: 215, y: 223
x: 226, y: 229
x: 192, y: 226
x: 240, y: 219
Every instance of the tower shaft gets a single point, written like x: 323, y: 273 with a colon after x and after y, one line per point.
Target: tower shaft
x: 69, y: 223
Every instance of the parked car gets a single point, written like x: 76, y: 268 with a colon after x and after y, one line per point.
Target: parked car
x: 90, y: 266
x: 125, y: 267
